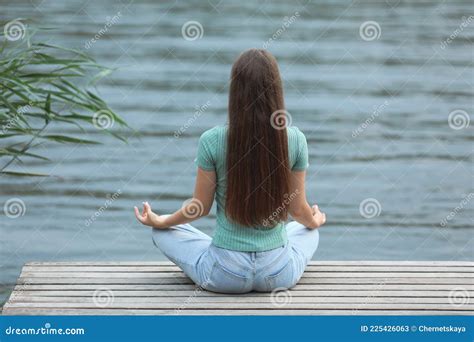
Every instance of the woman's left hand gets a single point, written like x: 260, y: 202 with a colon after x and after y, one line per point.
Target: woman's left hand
x: 149, y: 218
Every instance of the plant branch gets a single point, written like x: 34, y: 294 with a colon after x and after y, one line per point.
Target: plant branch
x: 26, y: 147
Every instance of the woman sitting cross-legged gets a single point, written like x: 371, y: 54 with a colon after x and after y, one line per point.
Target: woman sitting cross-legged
x: 255, y: 168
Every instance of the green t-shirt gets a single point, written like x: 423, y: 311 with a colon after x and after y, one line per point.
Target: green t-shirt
x: 211, y: 156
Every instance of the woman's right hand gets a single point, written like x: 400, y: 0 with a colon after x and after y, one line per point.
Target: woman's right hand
x: 149, y: 218
x: 319, y: 218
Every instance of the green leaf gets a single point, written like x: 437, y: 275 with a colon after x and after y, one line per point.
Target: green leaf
x: 101, y: 75
x: 95, y: 97
x: 79, y: 117
x: 47, y: 108
x: 14, y: 152
x: 3, y: 136
x: 49, y: 80
x: 68, y: 139
x: 23, y: 174
x: 77, y: 52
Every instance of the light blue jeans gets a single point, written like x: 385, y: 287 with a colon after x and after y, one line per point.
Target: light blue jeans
x: 226, y: 271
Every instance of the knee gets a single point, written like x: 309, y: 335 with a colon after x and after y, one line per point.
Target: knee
x: 314, y: 233
x: 156, y: 236
x: 311, y: 231
x: 298, y: 228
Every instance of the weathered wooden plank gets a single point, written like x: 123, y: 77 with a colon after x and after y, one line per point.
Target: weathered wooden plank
x: 335, y: 263
x: 192, y: 287
x: 381, y: 292
x: 225, y: 301
x: 327, y: 287
x: 145, y: 287
x: 309, y: 269
x: 304, y: 280
x: 85, y: 280
x: 108, y: 275
x: 105, y: 269
x: 386, y: 280
x: 361, y: 311
x: 231, y: 306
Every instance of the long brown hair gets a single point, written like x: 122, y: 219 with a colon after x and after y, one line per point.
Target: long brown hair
x: 258, y: 173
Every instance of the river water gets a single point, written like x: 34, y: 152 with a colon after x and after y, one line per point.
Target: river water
x: 374, y: 109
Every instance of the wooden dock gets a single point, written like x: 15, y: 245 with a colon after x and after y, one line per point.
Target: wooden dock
x: 327, y: 288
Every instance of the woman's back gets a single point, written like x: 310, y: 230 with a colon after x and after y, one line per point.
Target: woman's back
x: 211, y: 156
x: 255, y: 169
